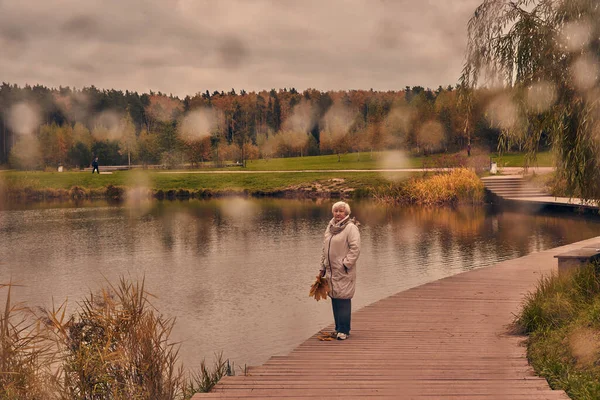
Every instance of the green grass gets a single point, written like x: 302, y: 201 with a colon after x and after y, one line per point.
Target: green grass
x: 60, y: 180
x: 18, y: 181
x: 364, y: 160
x: 543, y: 159
x: 166, y: 181
x: 379, y: 160
x: 562, y: 318
x: 266, y: 181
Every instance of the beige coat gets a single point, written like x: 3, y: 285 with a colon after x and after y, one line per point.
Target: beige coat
x: 340, y: 252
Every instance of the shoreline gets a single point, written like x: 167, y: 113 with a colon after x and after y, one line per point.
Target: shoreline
x: 454, y: 187
x: 121, y: 193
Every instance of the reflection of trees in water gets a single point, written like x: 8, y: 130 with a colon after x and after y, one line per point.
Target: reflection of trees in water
x: 474, y: 234
x: 525, y: 233
x: 207, y: 224
x: 446, y: 236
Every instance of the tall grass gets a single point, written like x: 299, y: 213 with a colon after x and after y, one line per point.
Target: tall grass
x: 556, y: 316
x: 206, y: 378
x: 25, y: 354
x: 116, y: 345
x: 458, y: 186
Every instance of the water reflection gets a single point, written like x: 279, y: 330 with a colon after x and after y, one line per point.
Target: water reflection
x: 236, y: 272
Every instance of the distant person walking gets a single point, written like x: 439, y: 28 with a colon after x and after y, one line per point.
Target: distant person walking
x: 469, y: 150
x: 95, y: 165
x: 341, y: 248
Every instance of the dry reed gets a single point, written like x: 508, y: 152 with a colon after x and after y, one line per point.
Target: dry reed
x: 114, y: 346
x: 458, y: 186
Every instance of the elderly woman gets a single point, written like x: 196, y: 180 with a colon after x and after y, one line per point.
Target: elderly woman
x: 341, y: 248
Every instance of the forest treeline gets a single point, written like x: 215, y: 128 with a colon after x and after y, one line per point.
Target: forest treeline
x: 46, y: 127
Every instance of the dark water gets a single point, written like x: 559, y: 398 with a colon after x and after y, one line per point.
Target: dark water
x: 236, y: 273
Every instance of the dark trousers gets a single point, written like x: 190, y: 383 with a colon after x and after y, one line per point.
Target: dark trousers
x: 95, y: 168
x: 342, y: 310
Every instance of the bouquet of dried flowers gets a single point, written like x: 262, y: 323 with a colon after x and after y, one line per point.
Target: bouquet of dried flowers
x: 319, y: 289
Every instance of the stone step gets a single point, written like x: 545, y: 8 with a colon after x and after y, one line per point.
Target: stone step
x: 502, y: 184
x: 511, y: 187
x: 521, y: 191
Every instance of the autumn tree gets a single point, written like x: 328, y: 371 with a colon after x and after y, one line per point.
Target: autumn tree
x: 56, y: 141
x: 398, y: 124
x: 148, y: 148
x: 26, y: 153
x: 161, y: 109
x: 267, y: 145
x: 335, y: 134
x: 127, y: 137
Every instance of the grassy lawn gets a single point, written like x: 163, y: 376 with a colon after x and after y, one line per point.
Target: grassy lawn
x: 543, y: 159
x: 216, y: 181
x: 381, y: 160
x: 368, y: 160
x: 376, y: 160
x: 256, y: 181
x: 266, y: 181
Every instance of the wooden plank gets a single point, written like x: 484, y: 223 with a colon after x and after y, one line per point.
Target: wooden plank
x: 449, y: 339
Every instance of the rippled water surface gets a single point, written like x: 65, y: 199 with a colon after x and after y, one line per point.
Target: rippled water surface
x: 236, y: 273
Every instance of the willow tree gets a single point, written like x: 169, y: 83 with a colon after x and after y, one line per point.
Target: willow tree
x: 547, y: 53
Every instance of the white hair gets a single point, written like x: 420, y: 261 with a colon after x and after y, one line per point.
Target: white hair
x: 341, y: 204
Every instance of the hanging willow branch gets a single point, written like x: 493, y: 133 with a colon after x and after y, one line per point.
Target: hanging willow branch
x: 523, y: 43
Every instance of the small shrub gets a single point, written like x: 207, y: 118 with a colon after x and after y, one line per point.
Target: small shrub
x: 183, y: 194
x: 115, y: 192
x: 97, y: 193
x: 77, y: 193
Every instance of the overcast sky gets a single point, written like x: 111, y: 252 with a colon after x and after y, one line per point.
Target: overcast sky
x: 189, y: 46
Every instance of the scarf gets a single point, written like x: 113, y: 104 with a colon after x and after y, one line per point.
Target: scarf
x: 340, y: 226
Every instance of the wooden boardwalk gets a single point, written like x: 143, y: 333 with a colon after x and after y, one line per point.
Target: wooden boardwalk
x: 449, y: 339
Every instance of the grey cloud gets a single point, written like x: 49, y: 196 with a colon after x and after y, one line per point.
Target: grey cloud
x: 386, y: 35
x: 13, y: 34
x: 83, y: 26
x: 84, y: 67
x: 232, y: 52
x: 187, y: 45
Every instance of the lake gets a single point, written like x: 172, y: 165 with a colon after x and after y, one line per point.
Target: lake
x: 236, y: 272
